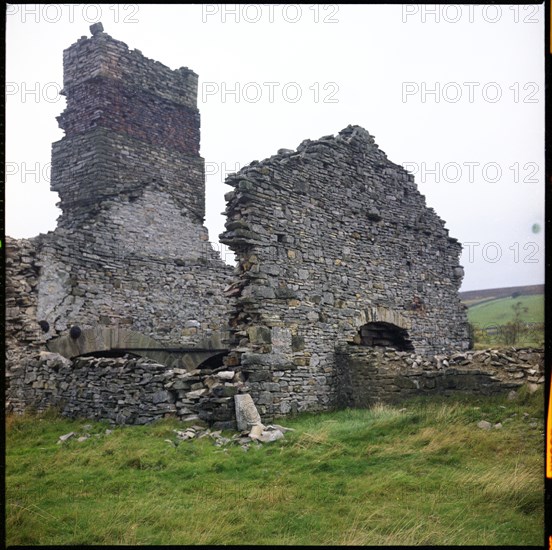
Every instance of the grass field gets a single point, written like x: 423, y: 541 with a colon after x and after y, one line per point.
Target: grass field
x: 488, y: 318
x: 499, y: 312
x: 425, y: 475
x: 473, y: 297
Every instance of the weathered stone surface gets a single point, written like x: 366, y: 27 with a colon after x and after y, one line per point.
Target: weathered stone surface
x: 246, y: 412
x: 343, y: 238
x: 256, y: 431
x: 339, y: 264
x: 269, y: 436
x: 225, y: 375
x: 367, y: 375
x: 130, y: 249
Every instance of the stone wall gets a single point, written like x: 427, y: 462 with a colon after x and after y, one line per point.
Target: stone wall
x: 131, y: 390
x: 367, y: 376
x: 93, y: 170
x: 21, y: 295
x: 23, y: 335
x: 140, y: 266
x: 124, y: 390
x: 113, y: 87
x: 103, y: 56
x: 130, y: 249
x: 330, y: 237
x: 130, y: 123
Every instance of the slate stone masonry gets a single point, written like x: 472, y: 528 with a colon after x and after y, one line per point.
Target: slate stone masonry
x: 132, y: 390
x: 368, y: 376
x: 124, y: 390
x: 130, y: 249
x: 328, y: 238
x: 129, y: 121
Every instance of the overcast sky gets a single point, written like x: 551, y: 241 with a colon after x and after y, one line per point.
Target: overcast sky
x: 455, y: 95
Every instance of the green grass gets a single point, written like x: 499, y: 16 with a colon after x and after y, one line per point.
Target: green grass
x: 368, y: 477
x: 488, y: 318
x: 499, y: 312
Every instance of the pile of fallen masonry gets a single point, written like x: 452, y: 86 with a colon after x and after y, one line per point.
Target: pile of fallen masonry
x: 254, y: 435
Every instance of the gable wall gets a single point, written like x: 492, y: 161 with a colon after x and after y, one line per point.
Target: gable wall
x: 329, y: 237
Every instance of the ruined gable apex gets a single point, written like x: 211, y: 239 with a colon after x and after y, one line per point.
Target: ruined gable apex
x: 373, y: 185
x: 335, y: 246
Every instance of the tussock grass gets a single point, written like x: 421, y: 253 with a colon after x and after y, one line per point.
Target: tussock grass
x: 383, y: 476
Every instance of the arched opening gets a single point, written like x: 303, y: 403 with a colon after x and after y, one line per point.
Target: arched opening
x: 381, y: 334
x: 213, y: 362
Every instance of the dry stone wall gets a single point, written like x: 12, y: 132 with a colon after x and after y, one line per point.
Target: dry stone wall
x: 130, y: 123
x: 22, y: 274
x: 330, y: 237
x: 124, y: 390
x: 110, y: 86
x: 113, y: 167
x: 367, y: 376
x: 132, y: 390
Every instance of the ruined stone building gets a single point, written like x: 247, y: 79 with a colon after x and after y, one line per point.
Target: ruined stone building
x: 130, y: 249
x: 336, y: 246
x: 340, y: 262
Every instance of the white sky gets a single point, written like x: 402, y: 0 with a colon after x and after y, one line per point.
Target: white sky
x: 374, y: 66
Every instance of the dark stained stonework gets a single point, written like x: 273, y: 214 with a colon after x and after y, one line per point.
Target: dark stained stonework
x: 367, y: 376
x: 130, y: 123
x: 130, y: 249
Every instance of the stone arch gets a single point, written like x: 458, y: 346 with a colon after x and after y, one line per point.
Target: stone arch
x: 384, y: 315
x: 102, y: 340
x: 383, y: 334
x: 383, y: 319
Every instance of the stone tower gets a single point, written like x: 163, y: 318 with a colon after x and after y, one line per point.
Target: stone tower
x: 130, y: 249
x: 130, y: 122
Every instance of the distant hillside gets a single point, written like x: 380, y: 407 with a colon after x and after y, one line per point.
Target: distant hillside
x: 508, y: 321
x: 500, y: 311
x: 473, y: 297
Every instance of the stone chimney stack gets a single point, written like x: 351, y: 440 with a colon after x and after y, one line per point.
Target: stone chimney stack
x: 130, y: 122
